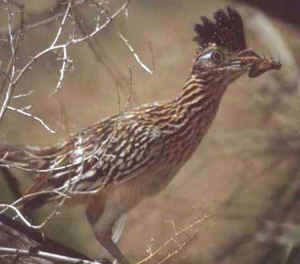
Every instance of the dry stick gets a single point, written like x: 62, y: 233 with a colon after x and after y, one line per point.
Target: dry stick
x: 174, y: 239
x: 64, y: 48
x: 35, y: 242
x: 45, y: 19
x: 137, y: 58
x: 35, y: 118
x: 135, y: 55
x: 9, y: 92
x: 19, y: 214
x: 45, y: 255
x: 130, y: 98
x: 70, y: 42
x: 14, y: 44
x: 112, y: 70
x: 11, y: 66
x: 13, y: 81
x: 23, y: 95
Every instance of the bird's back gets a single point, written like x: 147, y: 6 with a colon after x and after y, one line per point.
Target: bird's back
x: 111, y: 151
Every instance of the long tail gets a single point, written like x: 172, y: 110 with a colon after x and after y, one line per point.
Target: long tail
x: 18, y: 157
x: 38, y: 163
x: 29, y: 160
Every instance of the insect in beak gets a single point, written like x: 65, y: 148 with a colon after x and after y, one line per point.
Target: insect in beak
x: 263, y: 65
x: 257, y: 64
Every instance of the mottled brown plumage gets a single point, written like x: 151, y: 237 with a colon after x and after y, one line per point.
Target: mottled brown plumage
x: 133, y: 155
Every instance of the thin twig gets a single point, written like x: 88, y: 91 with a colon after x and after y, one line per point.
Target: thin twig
x: 21, y: 200
x: 45, y: 255
x: 11, y: 68
x: 54, y: 47
x: 130, y: 98
x: 135, y: 55
x: 23, y: 95
x: 174, y: 239
x: 43, y: 20
x: 24, y: 113
x: 12, y: 71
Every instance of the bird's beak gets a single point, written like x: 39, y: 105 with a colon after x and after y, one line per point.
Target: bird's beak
x: 256, y: 64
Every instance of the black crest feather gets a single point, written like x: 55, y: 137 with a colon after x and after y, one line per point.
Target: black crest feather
x: 226, y: 31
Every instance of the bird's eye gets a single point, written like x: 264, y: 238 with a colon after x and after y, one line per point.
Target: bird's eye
x: 217, y: 57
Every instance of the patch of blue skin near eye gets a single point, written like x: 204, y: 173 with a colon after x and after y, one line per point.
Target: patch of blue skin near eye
x: 207, y: 55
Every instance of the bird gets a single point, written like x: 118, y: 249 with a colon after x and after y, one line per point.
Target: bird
x: 113, y: 165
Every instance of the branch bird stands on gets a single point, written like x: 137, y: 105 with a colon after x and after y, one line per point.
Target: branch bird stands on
x: 114, y: 164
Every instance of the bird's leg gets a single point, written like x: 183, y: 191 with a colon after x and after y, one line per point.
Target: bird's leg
x: 118, y: 228
x: 102, y: 224
x: 111, y: 247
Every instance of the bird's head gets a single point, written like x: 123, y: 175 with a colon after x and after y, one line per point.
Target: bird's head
x: 222, y: 55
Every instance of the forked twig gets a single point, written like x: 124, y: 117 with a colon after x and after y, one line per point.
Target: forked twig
x: 29, y: 115
x: 174, y: 239
x: 135, y: 55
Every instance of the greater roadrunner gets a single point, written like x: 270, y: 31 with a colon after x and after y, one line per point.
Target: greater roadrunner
x: 116, y: 163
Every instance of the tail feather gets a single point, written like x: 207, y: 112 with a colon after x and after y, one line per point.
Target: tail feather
x: 28, y: 159
x: 38, y: 163
x: 13, y: 156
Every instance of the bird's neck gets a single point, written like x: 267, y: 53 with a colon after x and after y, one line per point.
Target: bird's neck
x: 189, y: 115
x: 186, y: 119
x: 192, y: 113
x: 198, y: 102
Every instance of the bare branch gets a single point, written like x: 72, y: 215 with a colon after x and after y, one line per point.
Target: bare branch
x: 10, y: 87
x: 18, y: 213
x: 23, y: 245
x: 63, y: 21
x: 104, y: 25
x: 64, y: 46
x: 23, y: 95
x: 41, y: 21
x: 62, y: 69
x: 44, y: 255
x: 173, y: 239
x: 14, y: 207
x: 35, y: 118
x: 135, y: 55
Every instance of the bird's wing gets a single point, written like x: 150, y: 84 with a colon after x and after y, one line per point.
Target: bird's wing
x: 111, y: 153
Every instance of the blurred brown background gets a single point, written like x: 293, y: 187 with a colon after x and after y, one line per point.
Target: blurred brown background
x: 245, y: 174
